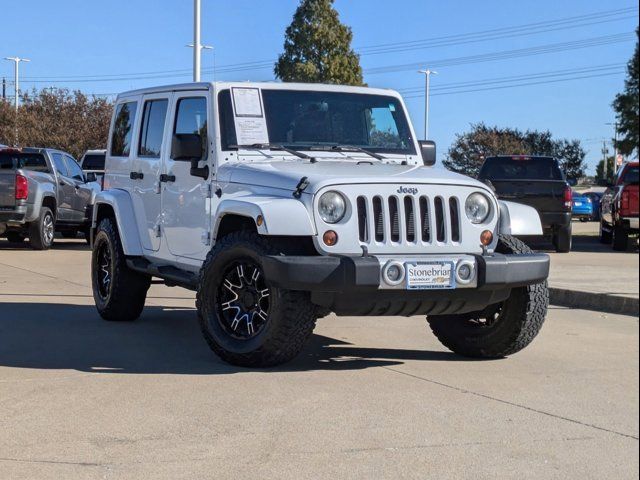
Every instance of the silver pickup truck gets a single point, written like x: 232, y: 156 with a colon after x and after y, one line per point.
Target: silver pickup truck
x: 43, y: 191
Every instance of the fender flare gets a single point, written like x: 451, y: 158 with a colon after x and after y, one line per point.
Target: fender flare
x: 122, y: 205
x: 282, y: 216
x: 517, y: 219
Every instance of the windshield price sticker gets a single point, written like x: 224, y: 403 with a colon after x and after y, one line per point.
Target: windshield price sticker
x: 247, y: 102
x: 430, y: 275
x: 251, y: 125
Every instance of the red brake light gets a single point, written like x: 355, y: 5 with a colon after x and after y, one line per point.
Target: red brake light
x: 568, y: 198
x: 625, y: 200
x: 22, y: 187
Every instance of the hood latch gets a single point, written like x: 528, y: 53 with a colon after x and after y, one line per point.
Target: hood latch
x: 302, y: 185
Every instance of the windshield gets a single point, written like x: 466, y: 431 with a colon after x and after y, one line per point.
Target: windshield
x: 93, y: 161
x: 527, y: 168
x: 306, y: 119
x: 631, y: 175
x: 25, y: 161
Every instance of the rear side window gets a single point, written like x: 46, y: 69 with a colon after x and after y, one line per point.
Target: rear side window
x: 93, y: 161
x: 61, y: 167
x: 152, y: 130
x: 123, y: 129
x: 191, y: 117
x: 529, y: 168
x: 25, y: 161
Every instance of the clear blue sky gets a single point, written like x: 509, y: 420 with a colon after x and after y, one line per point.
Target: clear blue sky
x: 108, y: 40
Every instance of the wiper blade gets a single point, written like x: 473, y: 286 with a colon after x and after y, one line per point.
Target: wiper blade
x: 274, y: 146
x: 349, y: 148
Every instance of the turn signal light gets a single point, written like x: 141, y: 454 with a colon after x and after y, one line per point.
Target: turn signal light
x: 486, y: 237
x: 22, y: 187
x: 568, y: 198
x: 330, y: 238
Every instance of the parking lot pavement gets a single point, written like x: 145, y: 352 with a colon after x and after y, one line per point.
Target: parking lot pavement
x: 368, y: 398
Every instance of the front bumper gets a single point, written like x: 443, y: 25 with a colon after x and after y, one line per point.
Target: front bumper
x: 353, y: 274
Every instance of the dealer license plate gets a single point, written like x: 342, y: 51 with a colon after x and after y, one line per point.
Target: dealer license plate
x: 430, y: 275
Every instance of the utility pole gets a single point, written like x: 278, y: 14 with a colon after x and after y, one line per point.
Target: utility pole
x: 196, y: 40
x: 16, y: 61
x: 207, y: 47
x: 615, y: 146
x: 4, y: 88
x: 427, y: 75
x: 604, y: 160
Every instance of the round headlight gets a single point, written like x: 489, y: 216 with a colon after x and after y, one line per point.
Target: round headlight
x: 477, y: 207
x: 332, y: 207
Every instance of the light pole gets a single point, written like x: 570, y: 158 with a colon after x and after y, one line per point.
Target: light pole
x: 207, y: 47
x: 615, y: 146
x: 16, y: 61
x: 427, y: 76
x: 196, y: 40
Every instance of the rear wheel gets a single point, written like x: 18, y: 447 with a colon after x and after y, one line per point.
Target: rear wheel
x: 501, y: 329
x: 563, y: 239
x: 119, y: 293
x: 42, y: 230
x: 605, y: 235
x: 620, y: 239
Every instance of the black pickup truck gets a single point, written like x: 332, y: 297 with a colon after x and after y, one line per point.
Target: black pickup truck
x: 539, y: 183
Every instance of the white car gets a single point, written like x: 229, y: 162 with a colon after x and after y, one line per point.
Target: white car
x: 280, y: 203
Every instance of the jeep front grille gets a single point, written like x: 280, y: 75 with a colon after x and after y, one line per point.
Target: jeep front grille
x: 408, y: 219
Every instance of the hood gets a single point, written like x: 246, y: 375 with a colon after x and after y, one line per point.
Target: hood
x: 286, y: 174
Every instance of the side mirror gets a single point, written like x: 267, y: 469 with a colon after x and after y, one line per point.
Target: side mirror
x: 428, y: 152
x: 186, y: 147
x: 90, y: 177
x: 572, y: 182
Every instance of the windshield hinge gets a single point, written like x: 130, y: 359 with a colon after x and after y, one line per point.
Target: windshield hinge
x: 302, y: 185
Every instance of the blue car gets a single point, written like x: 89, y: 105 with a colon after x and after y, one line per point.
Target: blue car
x: 582, y: 207
x: 596, y: 198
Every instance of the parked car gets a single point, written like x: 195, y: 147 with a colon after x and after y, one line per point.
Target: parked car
x: 43, y: 191
x: 280, y: 203
x: 93, y: 162
x: 596, y: 198
x: 539, y: 183
x: 582, y: 207
x: 620, y: 209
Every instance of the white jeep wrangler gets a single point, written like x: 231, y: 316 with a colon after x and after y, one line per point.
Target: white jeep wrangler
x: 281, y: 203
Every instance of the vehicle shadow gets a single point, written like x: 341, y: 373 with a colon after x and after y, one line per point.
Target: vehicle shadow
x: 163, y: 341
x: 58, y: 244
x: 581, y: 243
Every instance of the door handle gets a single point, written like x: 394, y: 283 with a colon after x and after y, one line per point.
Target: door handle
x: 164, y: 178
x: 136, y: 176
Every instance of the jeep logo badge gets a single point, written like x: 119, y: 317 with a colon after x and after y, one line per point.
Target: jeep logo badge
x: 411, y: 191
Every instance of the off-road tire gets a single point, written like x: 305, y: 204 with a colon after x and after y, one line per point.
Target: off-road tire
x: 563, y: 239
x: 41, y: 230
x: 522, y: 316
x: 620, y: 239
x: 291, y: 315
x: 15, y: 237
x: 606, y: 236
x: 126, y: 294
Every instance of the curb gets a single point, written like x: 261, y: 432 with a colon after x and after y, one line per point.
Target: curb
x: 600, y: 302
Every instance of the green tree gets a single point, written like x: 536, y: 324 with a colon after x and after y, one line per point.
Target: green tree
x: 469, y: 150
x: 317, y: 47
x: 601, y: 178
x: 626, y: 107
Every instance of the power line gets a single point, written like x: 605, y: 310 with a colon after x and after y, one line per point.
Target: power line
x: 498, y: 80
x: 524, y: 84
x: 508, y: 54
x: 375, y: 49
